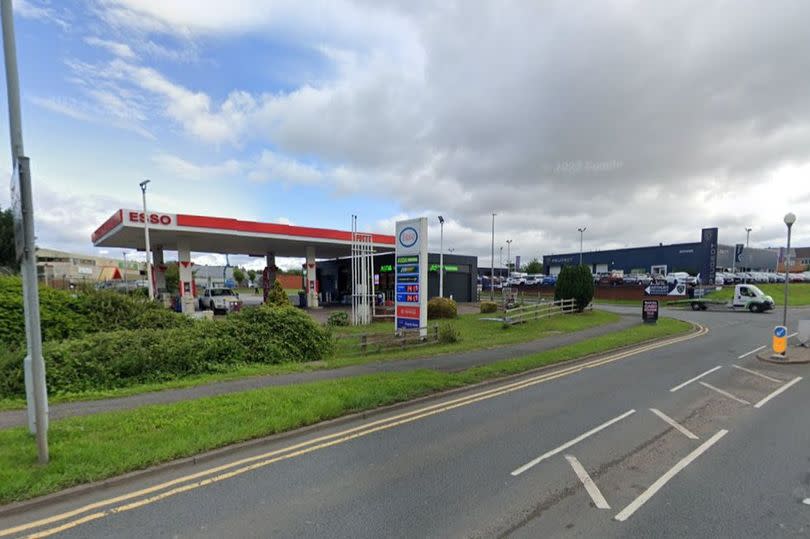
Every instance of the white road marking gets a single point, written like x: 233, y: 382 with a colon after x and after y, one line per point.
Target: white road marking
x: 590, y: 486
x: 724, y: 393
x: 778, y: 391
x: 568, y: 444
x: 806, y: 501
x: 754, y: 351
x: 664, y: 479
x: 680, y: 428
x: 757, y: 373
x: 792, y: 335
x: 698, y: 377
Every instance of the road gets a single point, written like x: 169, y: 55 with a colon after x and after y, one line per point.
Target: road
x: 689, y: 439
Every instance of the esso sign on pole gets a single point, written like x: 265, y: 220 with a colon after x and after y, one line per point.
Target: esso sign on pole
x: 154, y: 218
x: 411, y: 275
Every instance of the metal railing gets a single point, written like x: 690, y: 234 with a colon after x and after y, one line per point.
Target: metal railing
x: 543, y: 309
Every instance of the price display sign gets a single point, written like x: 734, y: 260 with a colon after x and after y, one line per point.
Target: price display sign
x: 411, y: 275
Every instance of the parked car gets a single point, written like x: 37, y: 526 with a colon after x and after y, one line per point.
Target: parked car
x: 220, y: 299
x: 532, y: 280
x: 550, y: 280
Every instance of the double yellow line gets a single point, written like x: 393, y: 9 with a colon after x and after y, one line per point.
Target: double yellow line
x: 216, y: 474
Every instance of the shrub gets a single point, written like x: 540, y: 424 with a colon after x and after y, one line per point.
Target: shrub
x: 70, y: 315
x: 277, y: 295
x: 442, y: 308
x: 449, y: 333
x: 489, y: 307
x: 338, y: 319
x: 575, y: 282
x: 124, y: 358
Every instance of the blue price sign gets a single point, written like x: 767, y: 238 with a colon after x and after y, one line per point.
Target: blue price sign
x: 408, y: 269
x: 407, y: 278
x: 408, y: 288
x: 407, y: 323
x: 408, y: 298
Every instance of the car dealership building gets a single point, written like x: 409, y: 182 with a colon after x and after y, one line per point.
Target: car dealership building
x: 692, y: 258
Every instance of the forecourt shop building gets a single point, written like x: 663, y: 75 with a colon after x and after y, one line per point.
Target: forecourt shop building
x: 327, y: 251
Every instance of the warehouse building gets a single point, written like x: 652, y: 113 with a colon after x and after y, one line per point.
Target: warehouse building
x: 693, y: 258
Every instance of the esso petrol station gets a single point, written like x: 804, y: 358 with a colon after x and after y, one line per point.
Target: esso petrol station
x: 204, y: 234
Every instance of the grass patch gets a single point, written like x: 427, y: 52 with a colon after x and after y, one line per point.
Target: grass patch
x: 91, y: 448
x: 798, y: 293
x: 474, y: 334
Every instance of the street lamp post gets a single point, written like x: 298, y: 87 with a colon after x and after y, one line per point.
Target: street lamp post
x: 789, y: 220
x: 747, y: 236
x: 441, y: 256
x: 500, y: 257
x: 492, y: 263
x: 143, y: 185
x: 125, y: 270
x: 581, y: 232
x: 509, y: 255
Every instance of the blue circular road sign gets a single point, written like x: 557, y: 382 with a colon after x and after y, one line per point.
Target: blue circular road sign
x: 779, y: 331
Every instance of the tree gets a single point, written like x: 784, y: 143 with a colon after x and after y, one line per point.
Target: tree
x: 238, y: 275
x: 8, y: 257
x: 252, y: 275
x: 575, y: 282
x: 534, y: 266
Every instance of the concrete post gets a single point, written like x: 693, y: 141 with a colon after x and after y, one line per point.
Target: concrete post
x: 312, y: 294
x: 159, y: 269
x: 187, y: 288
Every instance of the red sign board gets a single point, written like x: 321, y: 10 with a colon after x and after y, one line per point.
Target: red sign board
x: 407, y: 312
x: 154, y: 218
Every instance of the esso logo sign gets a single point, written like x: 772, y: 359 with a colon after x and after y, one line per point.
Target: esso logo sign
x: 408, y: 237
x: 154, y: 218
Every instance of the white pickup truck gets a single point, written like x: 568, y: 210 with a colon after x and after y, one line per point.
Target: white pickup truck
x: 220, y: 300
x: 746, y: 296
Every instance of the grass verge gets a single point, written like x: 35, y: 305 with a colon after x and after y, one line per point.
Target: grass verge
x: 85, y: 449
x: 475, y: 334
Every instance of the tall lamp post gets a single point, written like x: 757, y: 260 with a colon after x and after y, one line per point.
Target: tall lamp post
x: 441, y: 256
x: 492, y: 263
x: 143, y: 185
x: 789, y: 220
x: 500, y: 257
x: 125, y: 270
x: 509, y: 255
x: 581, y: 232
x: 747, y: 236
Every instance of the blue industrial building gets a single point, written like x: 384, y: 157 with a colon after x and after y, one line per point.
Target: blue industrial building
x: 693, y: 258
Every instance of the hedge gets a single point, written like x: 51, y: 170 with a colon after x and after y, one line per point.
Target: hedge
x: 489, y: 307
x: 575, y: 282
x: 125, y: 358
x: 69, y: 315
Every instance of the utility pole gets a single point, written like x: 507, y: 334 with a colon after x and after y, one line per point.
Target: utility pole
x: 509, y: 256
x: 143, y: 185
x: 581, y: 232
x: 492, y: 263
x: 22, y: 204
x: 747, y: 236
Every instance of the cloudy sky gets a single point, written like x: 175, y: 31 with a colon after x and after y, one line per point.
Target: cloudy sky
x: 643, y: 121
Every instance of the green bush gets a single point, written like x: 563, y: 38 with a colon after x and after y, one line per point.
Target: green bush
x: 489, y: 307
x: 449, y: 333
x: 338, y: 319
x: 575, y: 282
x: 277, y: 295
x: 124, y: 358
x: 73, y: 314
x: 442, y: 308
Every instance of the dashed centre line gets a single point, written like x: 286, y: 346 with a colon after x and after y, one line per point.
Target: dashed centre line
x: 696, y: 378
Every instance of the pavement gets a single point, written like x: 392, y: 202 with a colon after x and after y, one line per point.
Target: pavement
x: 443, y: 362
x: 693, y: 439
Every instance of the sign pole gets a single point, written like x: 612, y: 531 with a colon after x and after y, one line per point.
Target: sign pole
x: 24, y: 225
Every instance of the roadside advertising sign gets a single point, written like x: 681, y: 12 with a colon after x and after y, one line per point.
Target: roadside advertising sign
x: 411, y: 263
x: 779, y: 340
x: 738, y: 251
x: 709, y: 244
x: 649, y: 311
